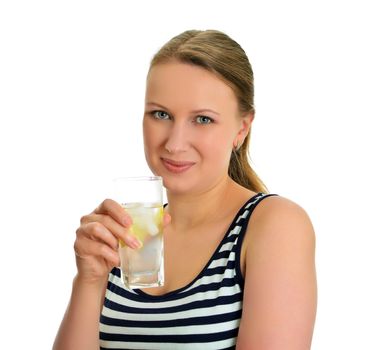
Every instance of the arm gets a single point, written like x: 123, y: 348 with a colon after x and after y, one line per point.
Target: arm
x: 80, y: 325
x: 96, y: 248
x: 280, y: 293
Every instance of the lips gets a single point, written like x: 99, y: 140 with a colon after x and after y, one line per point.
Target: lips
x: 175, y: 166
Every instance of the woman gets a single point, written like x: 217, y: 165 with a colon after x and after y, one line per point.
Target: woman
x: 239, y: 263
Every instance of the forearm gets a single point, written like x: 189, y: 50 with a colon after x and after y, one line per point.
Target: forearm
x: 80, y: 325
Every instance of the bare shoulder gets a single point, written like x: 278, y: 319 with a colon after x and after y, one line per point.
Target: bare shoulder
x: 280, y: 279
x: 278, y: 227
x: 278, y: 218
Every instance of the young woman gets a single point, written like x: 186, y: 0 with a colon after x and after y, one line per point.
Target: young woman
x: 239, y: 263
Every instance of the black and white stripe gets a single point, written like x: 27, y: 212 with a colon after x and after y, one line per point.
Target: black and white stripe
x: 202, y: 315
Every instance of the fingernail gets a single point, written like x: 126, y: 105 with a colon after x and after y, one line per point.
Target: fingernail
x: 135, y: 243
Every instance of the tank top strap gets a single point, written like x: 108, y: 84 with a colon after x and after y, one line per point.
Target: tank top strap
x: 248, y: 208
x: 241, y: 222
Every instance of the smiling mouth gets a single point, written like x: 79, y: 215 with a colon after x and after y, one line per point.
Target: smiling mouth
x: 176, y: 167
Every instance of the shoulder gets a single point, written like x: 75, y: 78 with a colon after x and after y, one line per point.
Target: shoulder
x: 277, y: 215
x: 279, y: 225
x: 280, y: 277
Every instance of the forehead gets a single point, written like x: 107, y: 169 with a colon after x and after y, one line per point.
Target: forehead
x: 182, y: 83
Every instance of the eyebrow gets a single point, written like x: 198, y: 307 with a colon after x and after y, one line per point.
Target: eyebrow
x: 202, y: 110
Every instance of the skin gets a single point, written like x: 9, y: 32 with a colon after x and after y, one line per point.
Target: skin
x: 191, y: 123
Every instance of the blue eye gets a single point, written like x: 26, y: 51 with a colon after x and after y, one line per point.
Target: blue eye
x: 202, y: 119
x: 160, y: 115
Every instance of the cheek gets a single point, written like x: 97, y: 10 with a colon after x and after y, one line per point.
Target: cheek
x: 153, y: 137
x: 218, y: 148
x: 148, y: 139
x: 149, y: 134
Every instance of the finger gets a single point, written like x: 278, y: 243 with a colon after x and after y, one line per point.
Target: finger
x: 109, y: 233
x: 112, y: 225
x: 118, y: 230
x: 166, y: 219
x: 97, y: 231
x: 85, y: 247
x: 115, y: 210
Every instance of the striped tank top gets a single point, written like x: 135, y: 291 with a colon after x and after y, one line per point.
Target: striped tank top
x: 205, y: 314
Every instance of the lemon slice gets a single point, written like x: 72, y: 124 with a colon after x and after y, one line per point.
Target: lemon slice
x: 158, y: 218
x: 121, y: 243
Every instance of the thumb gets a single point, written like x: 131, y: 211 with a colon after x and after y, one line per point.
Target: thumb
x: 166, y: 219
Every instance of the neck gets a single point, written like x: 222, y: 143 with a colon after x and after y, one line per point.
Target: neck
x: 191, y: 210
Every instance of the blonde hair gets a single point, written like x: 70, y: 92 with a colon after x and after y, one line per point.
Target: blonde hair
x: 221, y: 55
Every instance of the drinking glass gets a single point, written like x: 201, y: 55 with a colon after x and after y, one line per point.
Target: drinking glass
x: 141, y: 197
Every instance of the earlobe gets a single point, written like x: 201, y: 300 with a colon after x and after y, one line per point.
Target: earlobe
x: 237, y: 145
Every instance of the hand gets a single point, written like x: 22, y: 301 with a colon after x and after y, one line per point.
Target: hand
x: 96, y: 244
x: 97, y: 240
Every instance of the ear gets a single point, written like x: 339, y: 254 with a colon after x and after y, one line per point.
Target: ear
x: 244, y: 128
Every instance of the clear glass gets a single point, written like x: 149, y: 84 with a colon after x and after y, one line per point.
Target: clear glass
x: 141, y: 197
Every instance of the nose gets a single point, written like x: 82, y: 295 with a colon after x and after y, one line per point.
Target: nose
x: 177, y: 140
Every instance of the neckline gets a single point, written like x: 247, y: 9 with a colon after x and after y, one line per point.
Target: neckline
x: 140, y: 292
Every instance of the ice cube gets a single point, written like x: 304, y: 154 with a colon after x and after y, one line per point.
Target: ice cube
x: 151, y: 228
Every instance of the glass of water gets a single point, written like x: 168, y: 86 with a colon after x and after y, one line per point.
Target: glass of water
x: 141, y: 197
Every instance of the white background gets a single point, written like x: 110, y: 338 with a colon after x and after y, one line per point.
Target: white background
x: 72, y: 77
